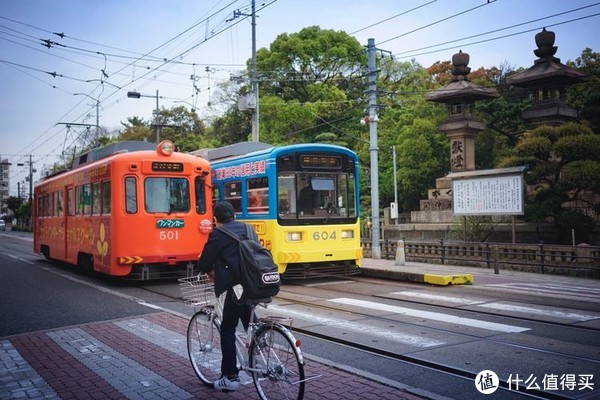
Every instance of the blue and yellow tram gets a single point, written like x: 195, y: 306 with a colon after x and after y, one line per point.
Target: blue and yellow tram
x: 301, y: 199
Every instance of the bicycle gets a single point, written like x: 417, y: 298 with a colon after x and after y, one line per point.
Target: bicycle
x: 274, y: 360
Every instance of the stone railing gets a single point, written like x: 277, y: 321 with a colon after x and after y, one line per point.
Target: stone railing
x: 582, y: 260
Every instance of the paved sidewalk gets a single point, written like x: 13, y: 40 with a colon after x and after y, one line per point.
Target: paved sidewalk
x: 142, y: 358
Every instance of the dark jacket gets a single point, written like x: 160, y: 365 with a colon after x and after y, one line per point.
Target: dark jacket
x: 221, y: 254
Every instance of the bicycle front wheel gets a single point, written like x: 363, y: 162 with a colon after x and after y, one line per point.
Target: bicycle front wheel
x: 276, y: 364
x: 204, y: 346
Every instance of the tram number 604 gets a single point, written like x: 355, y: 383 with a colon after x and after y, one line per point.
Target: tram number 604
x: 324, y: 235
x: 168, y: 235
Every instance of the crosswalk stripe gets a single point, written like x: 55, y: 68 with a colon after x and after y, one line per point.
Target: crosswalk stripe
x: 502, y: 306
x: 356, y: 326
x: 492, y: 326
x: 539, y: 311
x: 437, y: 297
x: 579, y: 291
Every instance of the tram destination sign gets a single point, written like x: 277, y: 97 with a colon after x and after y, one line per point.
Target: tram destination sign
x: 488, y: 192
x: 169, y: 223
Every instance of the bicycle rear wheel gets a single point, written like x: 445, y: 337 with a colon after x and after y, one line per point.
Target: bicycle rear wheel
x: 204, y: 346
x: 276, y: 364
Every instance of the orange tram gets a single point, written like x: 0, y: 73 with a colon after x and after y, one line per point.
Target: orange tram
x: 131, y: 209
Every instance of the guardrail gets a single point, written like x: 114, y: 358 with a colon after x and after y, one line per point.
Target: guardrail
x: 582, y: 260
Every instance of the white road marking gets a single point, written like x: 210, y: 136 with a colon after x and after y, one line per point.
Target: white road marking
x: 538, y: 311
x: 503, y: 306
x: 437, y: 297
x: 355, y: 326
x: 492, y: 326
x: 18, y: 258
x: 591, y: 292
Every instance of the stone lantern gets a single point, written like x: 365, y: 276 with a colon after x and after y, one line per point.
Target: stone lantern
x: 546, y: 81
x: 461, y: 126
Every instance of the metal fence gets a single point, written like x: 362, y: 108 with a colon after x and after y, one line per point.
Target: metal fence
x: 582, y: 260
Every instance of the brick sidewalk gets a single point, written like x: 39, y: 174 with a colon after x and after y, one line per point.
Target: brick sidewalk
x: 140, y: 358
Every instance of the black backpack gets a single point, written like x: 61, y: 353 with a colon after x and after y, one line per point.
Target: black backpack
x: 259, y: 275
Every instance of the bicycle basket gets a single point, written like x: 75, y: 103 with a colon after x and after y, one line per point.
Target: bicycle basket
x: 197, y: 290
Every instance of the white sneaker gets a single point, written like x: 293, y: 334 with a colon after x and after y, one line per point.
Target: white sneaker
x: 227, y: 384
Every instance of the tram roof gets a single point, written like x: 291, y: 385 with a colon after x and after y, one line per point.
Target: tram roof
x: 232, y: 150
x: 113, y: 148
x: 243, y: 149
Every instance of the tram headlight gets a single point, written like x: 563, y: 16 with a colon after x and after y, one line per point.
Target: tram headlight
x: 294, y: 236
x: 347, y: 234
x: 166, y: 147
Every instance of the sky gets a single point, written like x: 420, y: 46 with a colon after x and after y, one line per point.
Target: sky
x: 62, y: 61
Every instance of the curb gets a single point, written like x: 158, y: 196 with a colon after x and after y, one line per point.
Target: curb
x: 433, y: 279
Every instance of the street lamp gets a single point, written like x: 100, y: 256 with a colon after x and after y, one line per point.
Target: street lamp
x: 97, y: 112
x: 137, y: 95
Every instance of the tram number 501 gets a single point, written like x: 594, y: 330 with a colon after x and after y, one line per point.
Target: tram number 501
x: 168, y: 235
x: 324, y: 235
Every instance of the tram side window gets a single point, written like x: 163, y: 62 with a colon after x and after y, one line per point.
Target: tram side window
x: 42, y: 208
x: 346, y: 200
x: 87, y: 199
x: 70, y: 201
x: 95, y: 198
x: 200, y: 188
x: 79, y: 200
x: 105, y: 197
x: 286, y: 196
x: 215, y: 195
x: 49, y: 205
x: 130, y: 195
x: 258, y: 195
x: 232, y: 192
x: 59, y: 204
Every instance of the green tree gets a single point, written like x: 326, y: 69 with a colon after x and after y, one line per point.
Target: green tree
x: 563, y: 176
x: 178, y: 124
x: 137, y: 129
x: 297, y: 64
x: 585, y: 96
x: 310, y: 84
x: 409, y: 123
x: 184, y: 128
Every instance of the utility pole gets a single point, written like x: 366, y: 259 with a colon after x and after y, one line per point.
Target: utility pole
x: 255, y: 135
x: 30, y: 178
x: 31, y: 171
x: 373, y: 149
x: 250, y: 100
x: 395, y: 183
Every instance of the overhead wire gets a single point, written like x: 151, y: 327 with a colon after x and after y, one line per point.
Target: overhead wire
x: 62, y: 36
x: 173, y: 60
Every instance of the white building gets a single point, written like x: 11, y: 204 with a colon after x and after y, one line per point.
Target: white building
x: 4, y: 186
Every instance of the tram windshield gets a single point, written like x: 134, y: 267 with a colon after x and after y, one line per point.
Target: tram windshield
x: 166, y: 195
x: 316, y: 196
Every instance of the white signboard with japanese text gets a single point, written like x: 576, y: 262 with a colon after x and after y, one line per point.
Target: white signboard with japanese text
x: 488, y: 195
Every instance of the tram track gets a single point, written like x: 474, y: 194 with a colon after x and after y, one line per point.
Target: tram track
x: 466, y: 310
x: 444, y: 368
x: 447, y: 369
